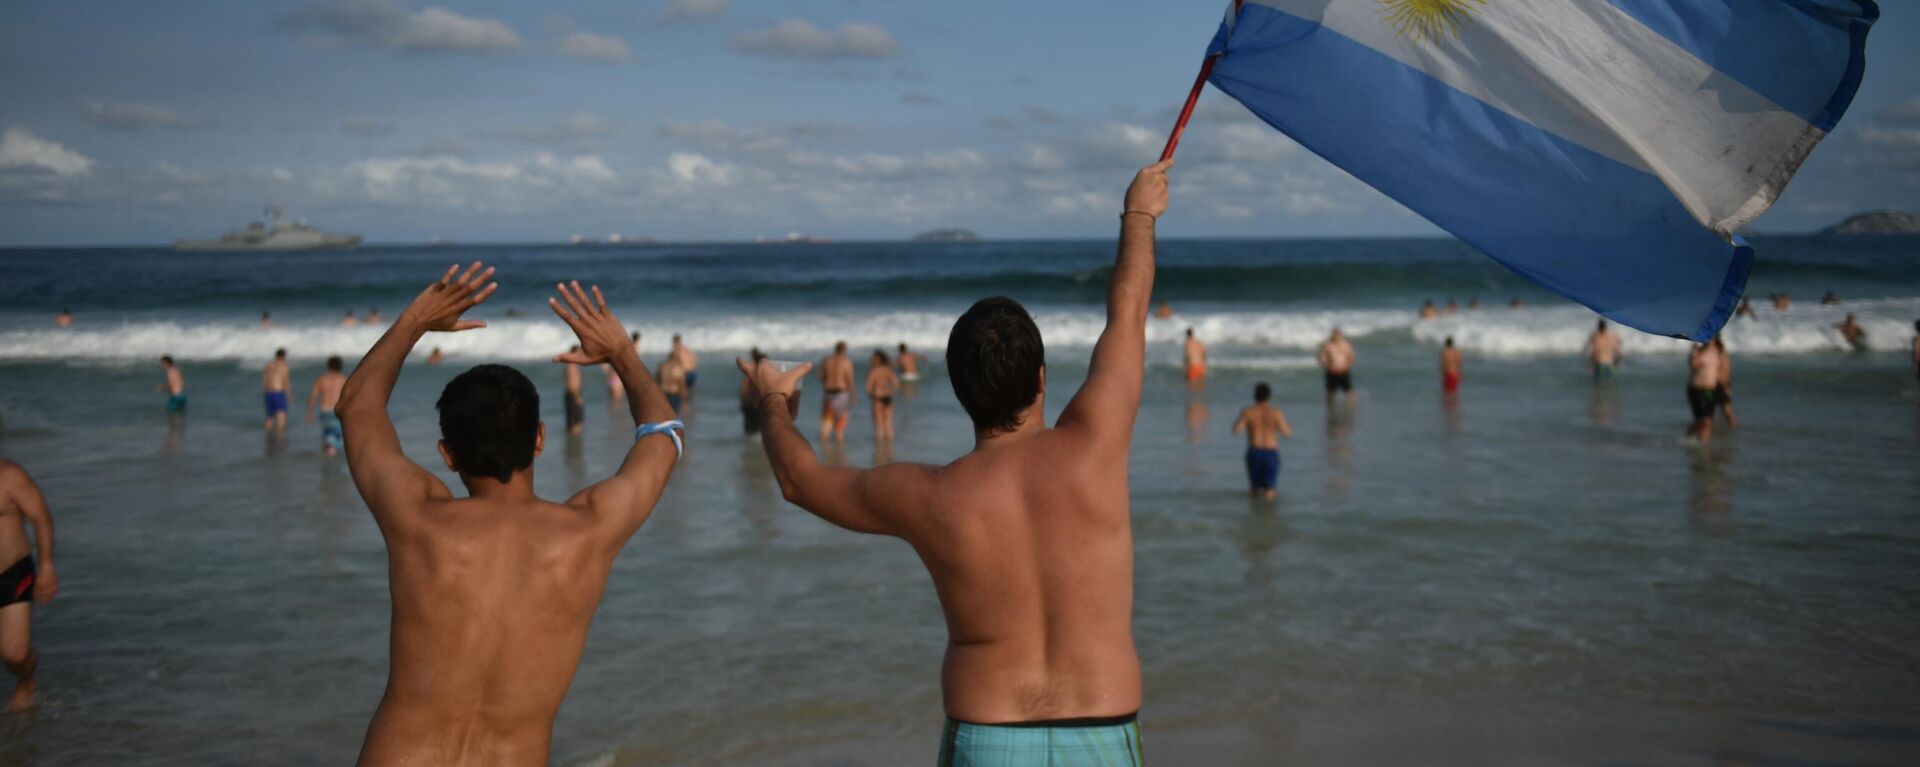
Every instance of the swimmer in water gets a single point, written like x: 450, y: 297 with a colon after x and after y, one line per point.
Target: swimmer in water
x: 349, y: 320
x: 1723, y: 392
x: 1854, y: 335
x: 64, y: 319
x: 1428, y: 311
x: 436, y: 356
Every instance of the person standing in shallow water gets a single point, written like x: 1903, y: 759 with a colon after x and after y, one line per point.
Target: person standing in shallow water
x: 492, y: 593
x: 1264, y: 425
x: 1452, y: 366
x: 882, y: 384
x: 175, y: 385
x: 1336, y: 362
x: 1603, y: 351
x: 326, y: 395
x: 25, y: 582
x: 1702, y: 378
x: 574, y: 403
x: 1028, y: 537
x: 276, y: 384
x: 836, y: 407
x: 1723, y: 391
x: 1195, y: 354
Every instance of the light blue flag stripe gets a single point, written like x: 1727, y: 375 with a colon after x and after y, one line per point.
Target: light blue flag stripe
x: 1741, y: 39
x: 1577, y: 222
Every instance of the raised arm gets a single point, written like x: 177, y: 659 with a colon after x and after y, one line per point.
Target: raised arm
x: 33, y: 508
x: 627, y: 498
x: 878, y: 501
x: 386, y: 479
x: 1107, y: 402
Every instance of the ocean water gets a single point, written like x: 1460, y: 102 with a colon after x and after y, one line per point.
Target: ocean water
x: 1539, y: 572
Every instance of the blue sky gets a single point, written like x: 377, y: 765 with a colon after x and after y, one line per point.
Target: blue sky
x: 141, y: 122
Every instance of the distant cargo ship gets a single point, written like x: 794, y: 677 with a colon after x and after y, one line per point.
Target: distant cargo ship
x: 280, y: 236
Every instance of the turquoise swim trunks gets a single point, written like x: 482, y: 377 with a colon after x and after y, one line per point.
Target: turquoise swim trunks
x: 330, y: 434
x: 1109, y: 742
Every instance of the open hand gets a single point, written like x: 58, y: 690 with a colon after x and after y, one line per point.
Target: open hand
x: 1148, y: 194
x: 439, y: 307
x: 602, y: 337
x: 765, y: 380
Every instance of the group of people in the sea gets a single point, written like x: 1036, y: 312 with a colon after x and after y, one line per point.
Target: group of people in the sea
x: 1027, y: 537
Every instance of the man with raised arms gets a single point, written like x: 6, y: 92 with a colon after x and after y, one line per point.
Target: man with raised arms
x: 1336, y: 361
x: 326, y: 396
x: 25, y: 582
x: 1602, y: 350
x: 276, y: 382
x: 492, y: 593
x: 1028, y: 537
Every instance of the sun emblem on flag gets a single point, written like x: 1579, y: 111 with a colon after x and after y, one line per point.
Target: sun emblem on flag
x: 1427, y: 21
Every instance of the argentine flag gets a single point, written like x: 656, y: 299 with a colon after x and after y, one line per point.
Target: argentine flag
x: 1609, y: 150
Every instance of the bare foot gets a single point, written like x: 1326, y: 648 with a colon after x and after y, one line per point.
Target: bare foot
x: 23, y: 698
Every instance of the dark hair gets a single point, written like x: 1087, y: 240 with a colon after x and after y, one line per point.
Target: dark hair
x: 903, y: 346
x: 994, y: 359
x: 881, y: 355
x: 334, y: 363
x: 1601, y: 326
x: 1262, y: 392
x: 1449, y: 341
x: 489, y: 418
x: 166, y: 359
x: 756, y: 354
x: 1916, y: 326
x: 280, y: 354
x: 839, y: 347
x: 1189, y: 332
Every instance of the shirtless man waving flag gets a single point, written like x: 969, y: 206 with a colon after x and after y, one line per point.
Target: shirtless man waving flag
x: 1028, y: 537
x: 492, y: 593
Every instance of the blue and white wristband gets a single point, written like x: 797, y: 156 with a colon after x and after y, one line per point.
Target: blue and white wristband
x: 670, y: 428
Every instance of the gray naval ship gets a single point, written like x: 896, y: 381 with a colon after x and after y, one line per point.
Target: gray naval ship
x: 279, y: 236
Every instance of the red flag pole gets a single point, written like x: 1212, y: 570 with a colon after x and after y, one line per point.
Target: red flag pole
x: 1186, y: 112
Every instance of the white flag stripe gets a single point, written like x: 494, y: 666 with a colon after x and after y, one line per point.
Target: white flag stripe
x: 1587, y: 72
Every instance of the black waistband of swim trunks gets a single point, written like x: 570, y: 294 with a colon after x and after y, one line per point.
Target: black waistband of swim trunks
x: 1091, y: 721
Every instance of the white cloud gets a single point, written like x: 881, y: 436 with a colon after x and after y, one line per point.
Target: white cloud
x: 130, y: 116
x: 587, y: 45
x: 695, y: 168
x: 544, y: 180
x: 384, y: 24
x: 799, y: 39
x: 1895, y: 137
x: 691, y: 9
x: 23, y: 152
